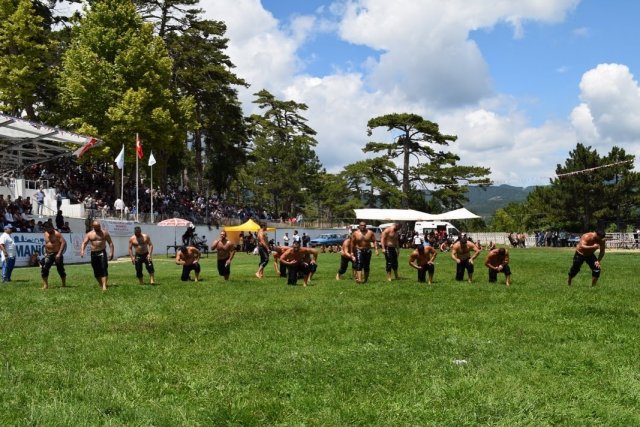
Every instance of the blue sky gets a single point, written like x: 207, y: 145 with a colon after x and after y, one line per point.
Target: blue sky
x: 518, y: 82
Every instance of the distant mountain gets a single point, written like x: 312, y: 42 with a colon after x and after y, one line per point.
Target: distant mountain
x: 485, y: 201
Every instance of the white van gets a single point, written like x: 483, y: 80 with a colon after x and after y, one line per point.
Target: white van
x: 425, y: 227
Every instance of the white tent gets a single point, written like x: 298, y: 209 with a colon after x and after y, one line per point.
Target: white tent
x: 393, y: 215
x: 412, y: 215
x: 461, y: 213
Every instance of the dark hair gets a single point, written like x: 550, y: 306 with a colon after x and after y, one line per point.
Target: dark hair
x: 600, y: 233
x: 502, y: 251
x: 136, y: 229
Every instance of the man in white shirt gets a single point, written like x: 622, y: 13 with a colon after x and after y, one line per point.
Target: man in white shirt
x: 118, y: 205
x: 39, y: 202
x: 7, y: 253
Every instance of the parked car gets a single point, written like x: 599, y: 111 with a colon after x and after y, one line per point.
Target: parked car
x: 328, y: 240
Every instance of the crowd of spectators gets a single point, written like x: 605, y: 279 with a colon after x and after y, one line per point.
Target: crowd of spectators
x: 555, y: 238
x: 19, y: 214
x: 92, y: 185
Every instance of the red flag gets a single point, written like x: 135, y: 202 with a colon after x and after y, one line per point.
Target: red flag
x: 80, y: 151
x: 138, y: 146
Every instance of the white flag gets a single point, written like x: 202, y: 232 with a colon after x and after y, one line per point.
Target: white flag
x: 120, y: 159
x: 152, y: 160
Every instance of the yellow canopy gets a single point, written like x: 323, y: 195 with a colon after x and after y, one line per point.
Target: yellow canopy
x: 250, y: 225
x: 233, y: 231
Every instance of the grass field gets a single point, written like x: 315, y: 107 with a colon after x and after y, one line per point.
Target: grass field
x: 250, y: 352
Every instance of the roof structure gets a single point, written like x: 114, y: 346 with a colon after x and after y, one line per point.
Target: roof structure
x: 393, y: 215
x: 412, y: 215
x: 24, y: 143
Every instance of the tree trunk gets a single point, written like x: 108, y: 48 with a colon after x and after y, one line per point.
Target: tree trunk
x: 197, y: 148
x: 405, y: 172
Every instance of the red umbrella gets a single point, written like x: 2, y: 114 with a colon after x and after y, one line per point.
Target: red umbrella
x: 175, y: 222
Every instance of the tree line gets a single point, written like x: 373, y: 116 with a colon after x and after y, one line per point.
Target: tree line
x: 589, y: 191
x: 159, y: 69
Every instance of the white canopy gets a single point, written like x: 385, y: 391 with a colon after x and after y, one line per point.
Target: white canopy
x: 412, y: 215
x: 24, y: 143
x: 392, y: 215
x: 461, y: 213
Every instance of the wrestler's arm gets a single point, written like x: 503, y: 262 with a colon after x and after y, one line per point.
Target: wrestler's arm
x: 107, y: 237
x: 433, y: 257
x: 284, y: 258
x: 412, y: 261
x: 131, y: 249
x: 84, y: 245
x: 150, y: 244
x: 232, y: 252
x: 63, y: 245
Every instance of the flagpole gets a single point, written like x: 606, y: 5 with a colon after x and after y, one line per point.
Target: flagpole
x: 120, y: 164
x: 137, y: 209
x: 151, y: 191
x: 122, y: 191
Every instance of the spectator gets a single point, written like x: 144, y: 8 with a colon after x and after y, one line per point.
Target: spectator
x: 59, y: 220
x: 39, y: 202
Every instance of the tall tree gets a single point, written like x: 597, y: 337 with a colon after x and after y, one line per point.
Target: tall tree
x: 203, y: 71
x: 420, y: 140
x: 285, y: 167
x: 589, y: 191
x: 337, y: 199
x: 25, y: 48
x: 116, y: 82
x: 579, y: 195
x: 378, y: 176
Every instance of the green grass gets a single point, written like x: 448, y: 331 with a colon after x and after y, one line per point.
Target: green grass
x: 250, y: 352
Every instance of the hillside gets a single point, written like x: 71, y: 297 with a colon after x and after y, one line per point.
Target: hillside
x: 485, y: 201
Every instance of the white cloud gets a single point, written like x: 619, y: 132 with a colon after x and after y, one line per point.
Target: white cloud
x: 427, y: 65
x: 610, y: 110
x: 517, y: 154
x: 263, y: 52
x: 581, y: 32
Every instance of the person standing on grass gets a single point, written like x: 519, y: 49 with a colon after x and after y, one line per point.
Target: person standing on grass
x: 345, y: 258
x: 461, y: 254
x: 361, y: 242
x: 189, y: 258
x: 7, y: 253
x: 226, y: 251
x: 300, y: 260
x: 263, y: 249
x: 389, y: 240
x: 141, y: 251
x: 498, y: 262
x: 585, y: 252
x: 54, y: 247
x: 422, y: 259
x: 98, y: 239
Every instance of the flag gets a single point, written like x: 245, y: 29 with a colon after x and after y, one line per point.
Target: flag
x: 80, y: 151
x: 152, y: 160
x: 120, y: 159
x: 138, y: 146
